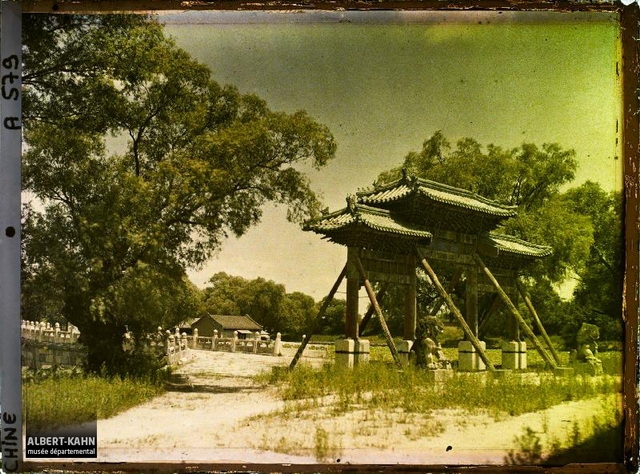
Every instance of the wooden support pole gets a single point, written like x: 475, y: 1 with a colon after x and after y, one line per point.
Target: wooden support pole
x: 353, y: 295
x: 439, y: 301
x: 489, y: 309
x: 376, y: 306
x: 534, y: 314
x: 371, y: 310
x: 410, y: 304
x: 455, y: 311
x: 505, y: 299
x: 319, y: 316
x: 471, y: 298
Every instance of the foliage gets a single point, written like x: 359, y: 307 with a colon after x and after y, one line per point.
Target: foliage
x: 109, y: 236
x: 265, y: 301
x: 581, y: 224
x: 63, y: 400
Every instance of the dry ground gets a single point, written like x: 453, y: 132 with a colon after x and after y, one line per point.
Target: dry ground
x: 228, y: 418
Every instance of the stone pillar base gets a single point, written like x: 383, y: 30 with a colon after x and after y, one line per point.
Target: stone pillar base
x: 404, y: 349
x: 468, y: 358
x: 345, y: 352
x: 361, y: 352
x: 350, y: 352
x: 514, y: 355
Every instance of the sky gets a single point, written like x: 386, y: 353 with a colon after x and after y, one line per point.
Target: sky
x: 383, y: 82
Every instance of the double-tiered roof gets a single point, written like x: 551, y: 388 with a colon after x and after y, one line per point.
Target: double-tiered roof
x: 412, y: 212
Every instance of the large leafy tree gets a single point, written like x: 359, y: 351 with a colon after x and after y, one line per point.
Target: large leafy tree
x: 140, y: 165
x: 582, y: 225
x: 264, y: 300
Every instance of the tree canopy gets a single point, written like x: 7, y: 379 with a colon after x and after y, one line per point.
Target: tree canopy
x: 582, y: 224
x: 265, y: 301
x: 140, y: 165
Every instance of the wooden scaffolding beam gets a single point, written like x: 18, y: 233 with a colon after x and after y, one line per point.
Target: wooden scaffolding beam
x: 534, y: 314
x: 376, y: 306
x: 319, y: 316
x: 455, y: 311
x: 371, y: 310
x: 514, y: 311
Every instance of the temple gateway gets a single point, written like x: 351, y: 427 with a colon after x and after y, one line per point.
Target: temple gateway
x: 393, y: 229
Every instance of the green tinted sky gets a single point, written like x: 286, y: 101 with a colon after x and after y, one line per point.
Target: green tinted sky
x: 384, y: 82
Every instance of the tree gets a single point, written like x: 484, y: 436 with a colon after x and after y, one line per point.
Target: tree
x: 266, y: 301
x: 111, y: 234
x: 582, y: 225
x: 598, y: 295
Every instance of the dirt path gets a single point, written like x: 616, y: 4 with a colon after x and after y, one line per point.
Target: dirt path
x: 228, y: 418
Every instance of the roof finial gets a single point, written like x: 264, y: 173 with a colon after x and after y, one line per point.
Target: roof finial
x: 351, y: 203
x: 405, y: 174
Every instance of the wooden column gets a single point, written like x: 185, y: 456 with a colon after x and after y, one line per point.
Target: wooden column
x: 353, y: 290
x: 471, y: 298
x: 410, y: 304
x: 514, y: 327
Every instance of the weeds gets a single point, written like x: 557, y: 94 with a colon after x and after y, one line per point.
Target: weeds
x: 382, y: 386
x: 68, y: 399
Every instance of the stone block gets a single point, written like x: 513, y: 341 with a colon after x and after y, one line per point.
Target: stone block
x: 362, y: 351
x: 514, y: 355
x: 404, y: 349
x: 468, y: 358
x: 345, y: 352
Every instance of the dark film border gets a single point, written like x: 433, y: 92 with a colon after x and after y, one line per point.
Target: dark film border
x: 629, y: 17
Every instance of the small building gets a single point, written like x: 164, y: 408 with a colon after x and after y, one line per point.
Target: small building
x: 226, y: 325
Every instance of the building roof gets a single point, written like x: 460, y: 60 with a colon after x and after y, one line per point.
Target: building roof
x: 234, y: 322
x: 359, y: 225
x: 511, y: 245
x: 410, y: 187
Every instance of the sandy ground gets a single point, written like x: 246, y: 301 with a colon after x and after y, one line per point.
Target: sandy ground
x: 229, y: 418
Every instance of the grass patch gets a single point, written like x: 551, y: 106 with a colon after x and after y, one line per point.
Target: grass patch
x: 382, y: 386
x: 597, y: 440
x: 67, y: 400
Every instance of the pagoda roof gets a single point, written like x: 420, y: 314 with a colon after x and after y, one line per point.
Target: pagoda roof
x: 358, y: 225
x: 435, y: 205
x: 508, y: 244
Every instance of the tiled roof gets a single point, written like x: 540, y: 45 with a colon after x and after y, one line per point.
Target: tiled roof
x: 438, y: 192
x: 509, y: 244
x: 235, y: 322
x: 375, y: 219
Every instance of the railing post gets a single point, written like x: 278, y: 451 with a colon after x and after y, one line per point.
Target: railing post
x: 234, y: 341
x: 277, y: 346
x: 195, y: 338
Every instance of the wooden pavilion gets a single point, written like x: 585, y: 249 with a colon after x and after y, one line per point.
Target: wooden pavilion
x: 391, y: 229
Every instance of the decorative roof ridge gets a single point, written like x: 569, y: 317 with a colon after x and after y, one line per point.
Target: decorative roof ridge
x: 414, y: 183
x: 420, y: 182
x: 544, y: 249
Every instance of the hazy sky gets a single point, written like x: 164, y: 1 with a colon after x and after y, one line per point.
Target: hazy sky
x: 384, y: 82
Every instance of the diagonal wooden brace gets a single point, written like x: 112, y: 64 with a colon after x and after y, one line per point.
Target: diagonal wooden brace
x: 376, y: 307
x: 534, y: 314
x: 455, y: 311
x: 507, y: 301
x: 320, y: 315
x: 370, y: 310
